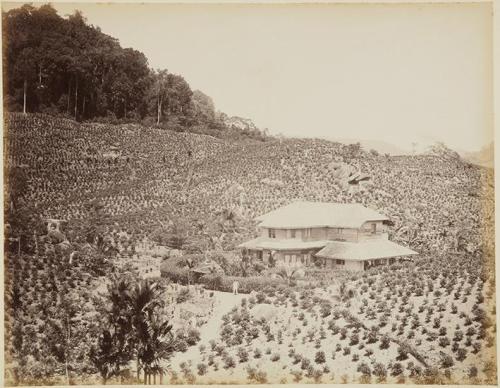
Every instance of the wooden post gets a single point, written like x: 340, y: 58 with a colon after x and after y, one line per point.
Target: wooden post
x: 66, y: 350
x: 76, y: 96
x: 25, y: 91
x: 69, y: 94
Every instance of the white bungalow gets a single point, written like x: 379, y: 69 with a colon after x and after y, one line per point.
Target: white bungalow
x: 348, y: 236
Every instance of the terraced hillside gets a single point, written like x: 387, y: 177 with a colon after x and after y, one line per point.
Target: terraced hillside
x: 115, y: 187
x: 143, y: 179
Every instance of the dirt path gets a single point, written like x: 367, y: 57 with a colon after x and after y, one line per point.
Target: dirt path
x: 223, y: 303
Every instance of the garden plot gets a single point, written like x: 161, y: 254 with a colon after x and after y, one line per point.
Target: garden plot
x: 383, y: 326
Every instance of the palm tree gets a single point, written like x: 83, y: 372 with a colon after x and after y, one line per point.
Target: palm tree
x: 102, y: 356
x: 144, y: 298
x: 245, y: 262
x: 114, y: 347
x: 157, y: 345
x: 190, y: 264
x: 289, y: 273
x: 344, y: 292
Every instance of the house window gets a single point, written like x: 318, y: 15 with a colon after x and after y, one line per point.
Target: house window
x: 340, y: 262
x: 271, y: 233
x: 292, y: 233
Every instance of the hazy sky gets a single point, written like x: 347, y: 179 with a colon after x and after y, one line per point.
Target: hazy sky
x: 397, y: 73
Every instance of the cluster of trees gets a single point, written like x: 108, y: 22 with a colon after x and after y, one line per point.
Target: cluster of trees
x: 65, y: 66
x: 134, y: 328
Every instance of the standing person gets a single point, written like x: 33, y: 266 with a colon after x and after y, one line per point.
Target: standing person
x: 235, y: 287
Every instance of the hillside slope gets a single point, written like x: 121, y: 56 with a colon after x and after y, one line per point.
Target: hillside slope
x: 144, y: 178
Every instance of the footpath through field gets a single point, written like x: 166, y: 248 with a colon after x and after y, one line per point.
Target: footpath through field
x: 223, y: 303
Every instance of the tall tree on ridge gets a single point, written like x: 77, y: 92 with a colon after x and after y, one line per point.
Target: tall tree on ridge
x: 161, y: 86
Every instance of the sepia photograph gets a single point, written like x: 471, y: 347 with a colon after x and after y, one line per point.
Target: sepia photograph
x: 244, y: 193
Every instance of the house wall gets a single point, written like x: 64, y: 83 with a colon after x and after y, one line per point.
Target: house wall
x: 349, y: 265
x: 366, y: 231
x: 335, y: 234
x: 353, y: 265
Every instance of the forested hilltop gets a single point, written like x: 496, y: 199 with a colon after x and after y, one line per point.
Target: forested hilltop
x: 64, y: 66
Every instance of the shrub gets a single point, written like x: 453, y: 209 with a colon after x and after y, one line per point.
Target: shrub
x: 385, y: 342
x: 325, y: 309
x: 229, y: 362
x: 181, y: 345
x: 193, y: 336
x: 219, y: 349
x: 297, y: 375
x: 320, y: 357
x: 444, y: 342
x: 253, y: 331
x: 275, y: 357
x: 242, y: 355
x: 183, y: 295
x: 317, y: 374
x: 202, y: 369
x: 257, y: 353
x: 371, y: 336
x: 446, y: 360
x: 364, y: 369
x: 347, y: 350
x: 305, y: 364
x: 247, y: 284
x: 296, y: 358
x: 257, y: 376
x: 379, y: 371
x: 174, y: 270
x: 459, y: 335
x: 403, y: 351
x: 461, y: 354
x: 397, y: 369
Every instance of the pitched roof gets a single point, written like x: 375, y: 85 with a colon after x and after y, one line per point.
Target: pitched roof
x: 376, y: 249
x: 208, y: 267
x: 279, y: 245
x: 299, y: 215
